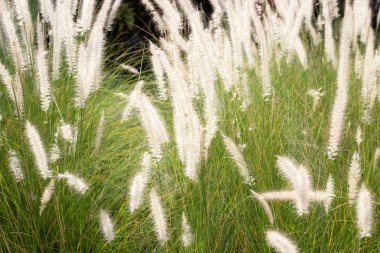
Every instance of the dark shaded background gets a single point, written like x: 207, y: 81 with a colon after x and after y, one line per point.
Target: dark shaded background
x: 133, y: 26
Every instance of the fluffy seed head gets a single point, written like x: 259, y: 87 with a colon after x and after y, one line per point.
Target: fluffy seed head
x: 186, y: 237
x: 15, y: 166
x: 364, y: 212
x: 280, y: 242
x: 99, y: 134
x: 354, y: 175
x: 237, y: 156
x: 138, y: 183
x: 74, y: 182
x: 38, y: 150
x: 158, y: 217
x: 47, y: 195
x: 264, y: 205
x: 107, y: 225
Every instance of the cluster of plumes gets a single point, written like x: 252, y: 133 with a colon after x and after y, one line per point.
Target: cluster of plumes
x: 302, y: 195
x: 74, y: 182
x: 76, y: 35
x: 136, y: 195
x: 369, y: 72
x: 240, y: 35
x: 42, y: 161
x: 367, y: 68
x: 68, y: 134
x: 356, y: 36
x: 361, y: 197
x: 187, y: 126
x: 302, y: 192
x: 329, y: 13
x: 137, y: 189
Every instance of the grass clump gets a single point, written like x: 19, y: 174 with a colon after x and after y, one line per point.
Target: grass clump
x: 223, y: 148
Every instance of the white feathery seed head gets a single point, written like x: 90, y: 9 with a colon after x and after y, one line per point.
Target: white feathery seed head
x: 42, y: 71
x: 187, y: 126
x: 47, y: 195
x: 237, y: 156
x: 377, y: 155
x: 158, y: 71
x: 337, y: 119
x: 67, y: 132
x: 99, y: 134
x: 90, y: 53
x: 86, y: 15
x: 136, y: 190
x: 330, y: 188
x: 303, y: 190
x: 23, y: 13
x: 158, y: 216
x: 361, y: 17
x: 279, y: 195
x: 369, y: 79
x: 113, y: 12
x: 46, y: 9
x: 187, y: 236
x: 15, y: 166
x: 280, y: 242
x: 76, y: 183
x: 265, y: 55
x: 6, y: 79
x: 138, y: 184
x: 38, y: 150
x: 130, y: 69
x: 288, y: 168
x: 359, y: 136
x: 151, y: 120
x: 300, y: 180
x: 54, y: 153
x: 264, y: 205
x: 364, y: 212
x: 107, y: 226
x: 10, y: 34
x: 155, y: 15
x: 359, y: 64
x: 328, y: 30
x: 146, y: 163
x: 354, y: 175
x: 13, y: 87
